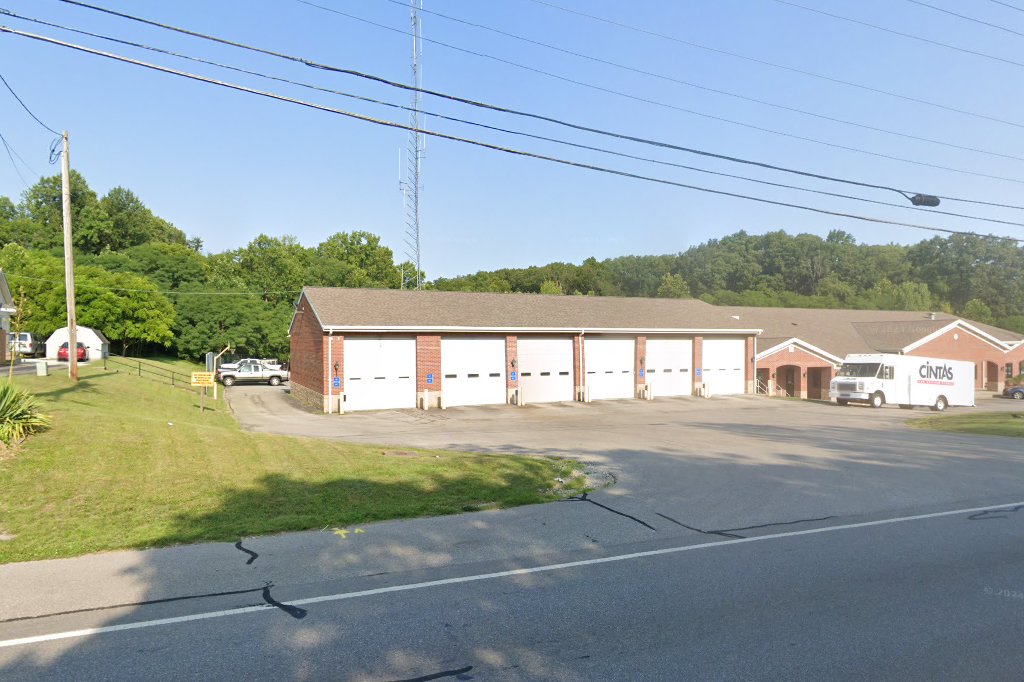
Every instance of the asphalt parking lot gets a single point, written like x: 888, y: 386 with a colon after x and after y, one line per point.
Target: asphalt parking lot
x: 719, y: 463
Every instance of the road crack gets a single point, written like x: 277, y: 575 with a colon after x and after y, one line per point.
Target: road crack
x: 584, y: 498
x: 293, y: 611
x: 252, y: 555
x: 984, y: 515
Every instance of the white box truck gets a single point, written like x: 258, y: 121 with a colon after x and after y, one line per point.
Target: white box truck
x: 904, y: 380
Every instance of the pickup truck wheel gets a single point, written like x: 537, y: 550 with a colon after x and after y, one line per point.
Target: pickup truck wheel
x: 877, y: 400
x: 842, y: 403
x: 229, y: 381
x: 275, y: 381
x: 940, y: 404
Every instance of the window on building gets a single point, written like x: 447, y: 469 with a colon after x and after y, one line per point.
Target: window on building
x: 1009, y: 370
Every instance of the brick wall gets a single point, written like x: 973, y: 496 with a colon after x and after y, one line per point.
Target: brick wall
x: 579, y: 366
x: 511, y: 364
x: 798, y: 358
x: 307, y: 353
x: 428, y: 361
x: 640, y: 360
x: 748, y: 364
x: 698, y: 362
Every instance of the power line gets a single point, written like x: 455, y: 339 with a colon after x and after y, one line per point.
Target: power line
x: 485, y: 145
x: 25, y: 107
x: 543, y: 138
x: 902, y: 34
x: 540, y: 117
x: 647, y: 100
x: 775, y: 65
x: 966, y: 18
x: 10, y: 155
x: 690, y: 84
x: 1006, y: 4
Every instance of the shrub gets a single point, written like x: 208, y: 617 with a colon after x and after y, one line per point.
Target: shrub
x: 19, y: 414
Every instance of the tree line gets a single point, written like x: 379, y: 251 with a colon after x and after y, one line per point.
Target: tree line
x: 979, y: 278
x: 150, y: 288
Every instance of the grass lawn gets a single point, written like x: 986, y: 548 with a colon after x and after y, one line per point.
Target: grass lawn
x: 983, y: 423
x: 130, y: 462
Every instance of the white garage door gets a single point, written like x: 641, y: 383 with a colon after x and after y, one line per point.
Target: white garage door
x: 669, y: 364
x: 474, y: 370
x: 723, y: 361
x: 609, y: 364
x: 545, y: 369
x: 380, y: 373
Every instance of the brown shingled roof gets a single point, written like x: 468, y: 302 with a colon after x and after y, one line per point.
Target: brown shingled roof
x: 841, y: 332
x: 390, y: 308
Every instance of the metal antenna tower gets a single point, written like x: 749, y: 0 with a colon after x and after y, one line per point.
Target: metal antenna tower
x: 414, y: 152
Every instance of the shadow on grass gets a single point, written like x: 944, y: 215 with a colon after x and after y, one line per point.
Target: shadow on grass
x: 83, y: 385
x: 278, y: 503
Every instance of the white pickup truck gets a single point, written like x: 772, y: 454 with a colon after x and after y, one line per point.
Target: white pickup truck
x: 905, y: 380
x: 252, y: 372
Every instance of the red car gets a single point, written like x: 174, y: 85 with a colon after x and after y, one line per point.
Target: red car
x: 62, y: 352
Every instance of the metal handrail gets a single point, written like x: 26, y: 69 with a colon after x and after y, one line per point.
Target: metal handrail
x: 140, y: 366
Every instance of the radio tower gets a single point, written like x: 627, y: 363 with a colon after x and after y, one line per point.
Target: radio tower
x: 414, y: 153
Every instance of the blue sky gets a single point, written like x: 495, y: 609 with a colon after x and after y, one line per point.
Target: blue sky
x: 226, y: 166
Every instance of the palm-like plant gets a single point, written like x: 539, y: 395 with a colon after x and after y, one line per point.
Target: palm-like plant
x: 19, y: 414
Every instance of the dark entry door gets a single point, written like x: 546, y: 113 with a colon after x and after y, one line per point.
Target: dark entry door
x: 814, y: 384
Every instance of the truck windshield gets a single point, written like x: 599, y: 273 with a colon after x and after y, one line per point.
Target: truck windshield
x: 859, y: 369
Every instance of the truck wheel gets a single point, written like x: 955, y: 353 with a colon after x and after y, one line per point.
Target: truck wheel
x: 842, y: 403
x: 877, y: 400
x: 229, y: 381
x: 940, y: 404
x: 275, y: 381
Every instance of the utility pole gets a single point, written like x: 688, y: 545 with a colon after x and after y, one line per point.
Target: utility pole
x: 413, y: 183
x: 69, y: 263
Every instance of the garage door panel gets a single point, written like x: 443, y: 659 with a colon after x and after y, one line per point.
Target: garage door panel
x: 474, y: 370
x: 723, y: 361
x: 545, y: 369
x: 670, y: 366
x: 380, y: 373
x: 609, y: 365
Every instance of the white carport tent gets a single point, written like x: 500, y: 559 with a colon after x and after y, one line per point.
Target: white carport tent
x: 473, y: 370
x: 96, y: 345
x: 545, y: 368
x: 609, y: 364
x: 669, y: 366
x: 380, y: 373
x: 724, y: 361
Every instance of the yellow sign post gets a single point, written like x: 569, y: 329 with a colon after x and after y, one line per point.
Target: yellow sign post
x: 203, y: 380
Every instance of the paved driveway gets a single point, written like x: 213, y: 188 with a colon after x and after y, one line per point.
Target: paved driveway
x: 715, y: 463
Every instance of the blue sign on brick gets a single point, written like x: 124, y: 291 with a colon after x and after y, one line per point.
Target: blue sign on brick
x: 337, y: 382
x: 641, y: 374
x: 697, y: 371
x: 515, y: 375
x: 430, y: 378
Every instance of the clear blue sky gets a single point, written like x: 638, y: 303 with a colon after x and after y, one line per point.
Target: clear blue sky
x: 225, y: 166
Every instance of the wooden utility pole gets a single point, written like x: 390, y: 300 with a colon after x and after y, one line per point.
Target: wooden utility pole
x: 69, y: 263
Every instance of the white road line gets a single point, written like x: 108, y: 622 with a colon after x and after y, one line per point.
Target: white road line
x: 482, y: 576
